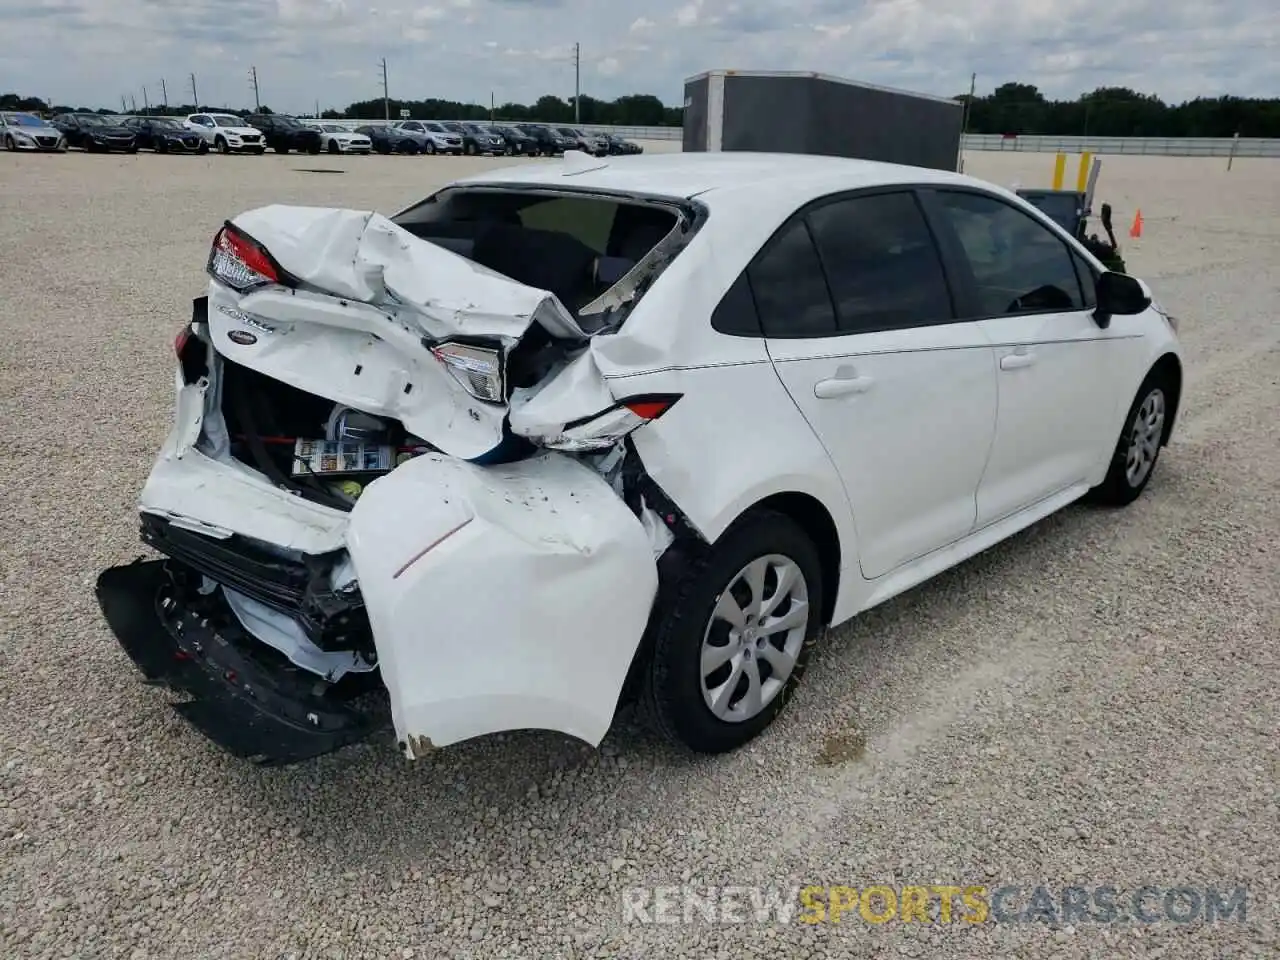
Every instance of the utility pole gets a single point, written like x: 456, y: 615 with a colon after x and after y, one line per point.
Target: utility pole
x: 491, y: 106
x: 386, y: 97
x: 195, y: 97
x: 577, y: 82
x: 164, y: 92
x: 124, y: 107
x: 253, y: 81
x: 146, y: 104
x: 317, y: 109
x: 964, y: 121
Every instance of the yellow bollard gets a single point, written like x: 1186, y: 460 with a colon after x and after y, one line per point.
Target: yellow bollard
x: 1059, y: 170
x: 1082, y: 179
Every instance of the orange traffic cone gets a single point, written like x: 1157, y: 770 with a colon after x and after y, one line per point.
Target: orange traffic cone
x: 1136, y: 229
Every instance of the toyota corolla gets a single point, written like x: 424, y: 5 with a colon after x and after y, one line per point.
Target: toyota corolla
x: 564, y: 435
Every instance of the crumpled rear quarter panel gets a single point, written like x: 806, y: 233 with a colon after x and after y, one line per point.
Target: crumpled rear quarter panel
x: 526, y: 608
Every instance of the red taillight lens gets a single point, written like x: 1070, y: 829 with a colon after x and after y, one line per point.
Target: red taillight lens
x: 650, y: 408
x: 181, y: 340
x: 239, y: 261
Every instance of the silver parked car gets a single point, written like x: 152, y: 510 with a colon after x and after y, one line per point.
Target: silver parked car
x: 26, y: 131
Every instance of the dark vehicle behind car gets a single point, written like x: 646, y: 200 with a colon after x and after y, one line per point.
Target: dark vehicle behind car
x: 485, y: 138
x: 549, y: 142
x: 389, y: 139
x: 165, y: 135
x: 95, y: 133
x: 620, y: 147
x: 518, y: 143
x: 283, y: 133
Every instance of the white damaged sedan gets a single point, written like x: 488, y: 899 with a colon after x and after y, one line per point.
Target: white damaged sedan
x: 564, y: 435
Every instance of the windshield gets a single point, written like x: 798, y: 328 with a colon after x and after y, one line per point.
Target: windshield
x: 434, y: 127
x: 165, y: 123
x: 287, y: 121
x: 91, y: 120
x: 23, y: 120
x: 332, y: 128
x: 226, y: 120
x: 566, y: 132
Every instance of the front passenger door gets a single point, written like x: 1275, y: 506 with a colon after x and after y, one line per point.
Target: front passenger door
x: 1058, y: 399
x: 858, y: 318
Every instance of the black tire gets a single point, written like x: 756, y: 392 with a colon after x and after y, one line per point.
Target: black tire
x: 160, y: 146
x: 1144, y: 440
x: 430, y: 148
x: 333, y: 146
x: 470, y: 150
x: 220, y: 144
x: 203, y: 149
x: 281, y: 148
x: 672, y: 682
x: 10, y: 144
x: 314, y: 149
x: 132, y: 150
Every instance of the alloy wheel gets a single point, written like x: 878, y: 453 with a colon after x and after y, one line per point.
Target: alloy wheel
x: 753, y: 637
x: 1145, y: 434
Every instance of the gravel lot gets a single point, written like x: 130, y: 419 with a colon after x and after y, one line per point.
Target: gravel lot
x: 1092, y: 703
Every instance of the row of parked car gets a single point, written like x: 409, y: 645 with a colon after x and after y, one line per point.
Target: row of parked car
x: 229, y: 133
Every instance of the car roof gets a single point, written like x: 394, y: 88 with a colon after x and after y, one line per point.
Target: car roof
x: 693, y: 174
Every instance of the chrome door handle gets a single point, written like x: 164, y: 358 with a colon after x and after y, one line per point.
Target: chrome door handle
x: 1016, y: 361
x: 845, y: 382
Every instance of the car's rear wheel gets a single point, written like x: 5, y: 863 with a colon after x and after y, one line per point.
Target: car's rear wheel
x: 730, y: 640
x: 1134, y: 459
x: 9, y: 143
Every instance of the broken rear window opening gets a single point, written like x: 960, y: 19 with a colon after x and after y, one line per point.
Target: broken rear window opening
x: 595, y: 251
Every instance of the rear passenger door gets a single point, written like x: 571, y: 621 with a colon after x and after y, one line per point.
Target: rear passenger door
x: 857, y: 313
x: 1033, y: 296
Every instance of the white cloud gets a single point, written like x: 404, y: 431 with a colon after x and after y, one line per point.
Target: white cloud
x: 520, y: 49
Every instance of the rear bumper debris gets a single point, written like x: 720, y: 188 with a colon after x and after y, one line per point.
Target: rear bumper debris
x: 243, y: 695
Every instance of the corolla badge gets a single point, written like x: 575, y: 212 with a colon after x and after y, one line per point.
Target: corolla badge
x: 242, y: 337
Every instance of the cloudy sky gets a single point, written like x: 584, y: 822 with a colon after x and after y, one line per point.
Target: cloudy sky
x: 93, y: 51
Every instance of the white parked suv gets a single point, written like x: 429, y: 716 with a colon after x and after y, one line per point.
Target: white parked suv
x: 562, y: 435
x: 227, y: 133
x: 338, y: 139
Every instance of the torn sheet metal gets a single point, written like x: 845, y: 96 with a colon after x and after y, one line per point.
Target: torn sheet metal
x: 363, y: 256
x: 510, y: 597
x: 285, y: 634
x: 575, y: 391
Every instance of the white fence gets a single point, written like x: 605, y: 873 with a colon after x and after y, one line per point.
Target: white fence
x: 1152, y: 146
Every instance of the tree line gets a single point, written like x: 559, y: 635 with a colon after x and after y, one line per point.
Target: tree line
x: 1012, y: 108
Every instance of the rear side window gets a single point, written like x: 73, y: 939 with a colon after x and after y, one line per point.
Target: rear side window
x: 790, y: 290
x: 884, y: 269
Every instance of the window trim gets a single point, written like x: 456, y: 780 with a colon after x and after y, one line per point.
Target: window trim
x: 768, y: 246
x: 950, y: 273
x: 967, y: 304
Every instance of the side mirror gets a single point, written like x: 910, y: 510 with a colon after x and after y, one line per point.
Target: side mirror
x: 1119, y: 295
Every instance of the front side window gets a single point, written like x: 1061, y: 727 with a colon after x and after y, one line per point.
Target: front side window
x: 1019, y: 265
x: 881, y: 263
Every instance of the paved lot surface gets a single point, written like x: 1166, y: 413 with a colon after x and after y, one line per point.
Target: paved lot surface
x: 1093, y: 703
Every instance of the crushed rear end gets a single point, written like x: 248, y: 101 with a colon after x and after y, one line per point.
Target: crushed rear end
x: 398, y: 490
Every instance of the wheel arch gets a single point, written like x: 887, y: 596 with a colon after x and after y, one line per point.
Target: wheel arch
x: 811, y: 516
x: 1169, y: 369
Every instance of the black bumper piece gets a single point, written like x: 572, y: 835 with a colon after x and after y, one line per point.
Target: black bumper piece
x: 245, y: 697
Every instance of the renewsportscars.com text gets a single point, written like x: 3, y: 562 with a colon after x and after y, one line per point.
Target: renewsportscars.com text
x: 934, y: 903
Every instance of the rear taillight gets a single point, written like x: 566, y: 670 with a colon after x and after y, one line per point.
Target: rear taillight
x: 240, y: 262
x: 181, y: 340
x: 603, y: 430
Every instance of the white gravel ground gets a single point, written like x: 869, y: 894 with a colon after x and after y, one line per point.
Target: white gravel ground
x: 1092, y: 703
